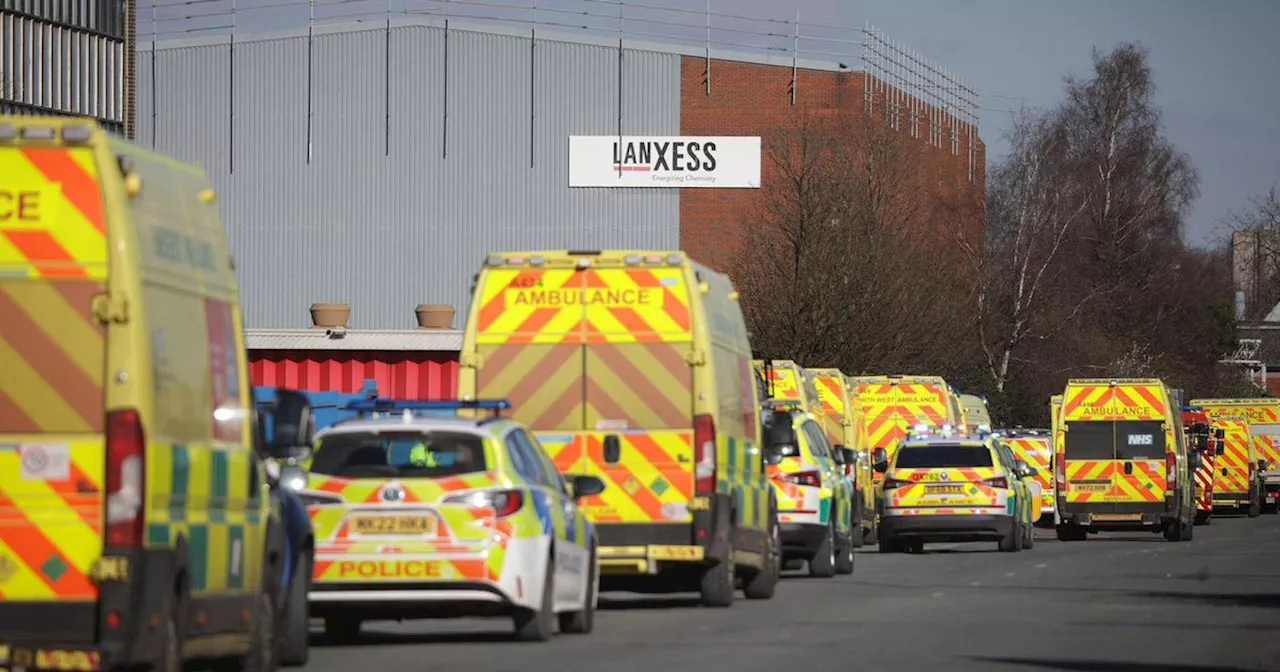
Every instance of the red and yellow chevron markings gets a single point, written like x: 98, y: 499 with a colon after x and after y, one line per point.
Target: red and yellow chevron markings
x: 1035, y: 451
x: 1089, y: 480
x: 1232, y: 468
x: 53, y: 260
x: 1128, y: 400
x: 1204, y: 483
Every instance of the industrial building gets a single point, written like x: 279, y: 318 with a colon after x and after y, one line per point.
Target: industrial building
x: 69, y: 57
x: 376, y: 162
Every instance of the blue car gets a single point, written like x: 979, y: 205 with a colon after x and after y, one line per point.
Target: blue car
x: 299, y: 542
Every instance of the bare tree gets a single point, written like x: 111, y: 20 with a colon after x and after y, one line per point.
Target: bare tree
x: 1031, y: 212
x: 839, y: 271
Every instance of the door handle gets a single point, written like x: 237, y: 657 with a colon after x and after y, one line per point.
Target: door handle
x: 612, y: 449
x: 1225, y: 471
x: 1128, y: 468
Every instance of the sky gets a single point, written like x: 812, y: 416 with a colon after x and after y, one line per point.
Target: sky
x: 1214, y: 60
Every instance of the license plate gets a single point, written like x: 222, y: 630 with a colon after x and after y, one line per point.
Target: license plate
x: 1117, y: 516
x: 393, y: 525
x: 944, y: 489
x: 1089, y: 487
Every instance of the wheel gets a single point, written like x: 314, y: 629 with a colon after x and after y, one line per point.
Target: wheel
x: 823, y: 563
x: 295, y: 626
x: 1203, y: 517
x: 342, y: 629
x: 763, y: 583
x: 1173, y: 531
x: 540, y: 624
x: 1029, y: 541
x: 1072, y: 532
x: 583, y: 621
x: 1012, y: 542
x: 858, y: 535
x: 1188, y: 530
x: 718, y: 582
x: 890, y: 545
x: 844, y: 554
x: 1255, y: 504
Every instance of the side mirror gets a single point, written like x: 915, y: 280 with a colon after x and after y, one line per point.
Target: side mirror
x: 292, y: 425
x: 1201, y: 442
x: 1219, y: 434
x: 586, y: 486
x: 850, y: 455
x: 880, y: 460
x: 293, y: 478
x: 1021, y: 468
x: 774, y: 454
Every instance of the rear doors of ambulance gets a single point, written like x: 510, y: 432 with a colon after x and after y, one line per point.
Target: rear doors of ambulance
x: 1232, y: 469
x: 1115, y: 449
x: 592, y: 351
x: 53, y: 261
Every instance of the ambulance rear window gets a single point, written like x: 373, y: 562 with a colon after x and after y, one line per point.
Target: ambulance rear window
x: 399, y: 455
x: 943, y: 455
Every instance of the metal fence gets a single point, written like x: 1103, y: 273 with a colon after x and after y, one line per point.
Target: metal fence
x: 908, y: 84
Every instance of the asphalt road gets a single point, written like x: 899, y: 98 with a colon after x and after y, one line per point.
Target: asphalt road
x: 1123, y: 603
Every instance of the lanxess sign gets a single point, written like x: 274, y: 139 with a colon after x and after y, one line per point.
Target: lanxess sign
x: 664, y: 161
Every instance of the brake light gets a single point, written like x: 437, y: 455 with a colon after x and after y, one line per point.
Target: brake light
x: 1060, y: 469
x: 849, y: 469
x: 808, y: 478
x: 997, y: 482
x: 503, y: 502
x: 1171, y: 470
x: 704, y: 455
x: 125, y: 478
x: 891, y: 483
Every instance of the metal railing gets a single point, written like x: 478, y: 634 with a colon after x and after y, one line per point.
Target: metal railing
x: 909, y: 84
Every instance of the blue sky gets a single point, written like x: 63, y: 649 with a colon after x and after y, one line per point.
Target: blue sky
x: 1215, y: 62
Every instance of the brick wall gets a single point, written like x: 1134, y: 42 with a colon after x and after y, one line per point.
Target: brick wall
x: 755, y: 99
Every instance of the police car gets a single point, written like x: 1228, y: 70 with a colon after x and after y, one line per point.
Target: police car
x: 423, y: 512
x: 946, y: 488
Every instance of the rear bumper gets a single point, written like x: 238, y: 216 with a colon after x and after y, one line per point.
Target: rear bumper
x: 947, y: 527
x: 74, y: 635
x: 1116, y: 517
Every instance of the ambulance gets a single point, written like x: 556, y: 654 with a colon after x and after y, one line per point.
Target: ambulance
x: 1035, y: 448
x: 138, y: 528
x: 1123, y: 462
x: 893, y: 406
x: 634, y: 367
x: 839, y: 405
x: 1237, y: 471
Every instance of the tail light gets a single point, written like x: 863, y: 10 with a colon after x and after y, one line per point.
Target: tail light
x: 811, y: 479
x: 849, y: 470
x: 997, y: 482
x: 503, y: 502
x: 1060, y: 470
x: 891, y: 483
x: 126, y: 475
x: 1171, y: 470
x: 704, y: 455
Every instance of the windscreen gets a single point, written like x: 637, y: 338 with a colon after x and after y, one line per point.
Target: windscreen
x: 1115, y: 440
x: 399, y: 455
x: 943, y: 455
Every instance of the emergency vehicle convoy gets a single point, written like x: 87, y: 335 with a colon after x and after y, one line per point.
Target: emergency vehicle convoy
x: 612, y: 432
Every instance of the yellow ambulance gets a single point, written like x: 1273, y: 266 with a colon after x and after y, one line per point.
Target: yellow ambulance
x: 842, y: 408
x: 137, y: 523
x: 634, y: 366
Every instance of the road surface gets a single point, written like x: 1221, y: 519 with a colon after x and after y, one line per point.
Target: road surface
x: 1123, y: 603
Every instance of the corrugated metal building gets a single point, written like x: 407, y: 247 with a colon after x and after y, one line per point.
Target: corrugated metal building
x: 69, y: 57
x: 382, y: 174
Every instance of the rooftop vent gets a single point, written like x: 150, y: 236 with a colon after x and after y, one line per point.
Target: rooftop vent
x: 330, y: 315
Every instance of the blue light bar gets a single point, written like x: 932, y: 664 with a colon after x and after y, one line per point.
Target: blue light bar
x: 392, y: 405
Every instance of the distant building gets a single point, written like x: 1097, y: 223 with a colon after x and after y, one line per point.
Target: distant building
x: 69, y: 57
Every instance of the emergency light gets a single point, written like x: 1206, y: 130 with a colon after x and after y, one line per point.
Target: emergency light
x: 383, y: 405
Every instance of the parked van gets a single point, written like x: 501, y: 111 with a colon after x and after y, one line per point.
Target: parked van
x: 635, y: 367
x: 138, y: 526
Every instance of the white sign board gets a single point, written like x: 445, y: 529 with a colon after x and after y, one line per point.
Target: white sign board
x: 664, y: 161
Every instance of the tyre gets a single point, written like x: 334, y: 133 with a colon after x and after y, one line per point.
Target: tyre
x: 1173, y: 531
x: 341, y: 629
x: 823, y: 563
x: 844, y: 554
x: 1188, y: 531
x: 262, y: 648
x: 539, y: 625
x: 889, y: 545
x: 171, y: 647
x: 764, y: 583
x: 1255, y: 504
x: 583, y: 621
x: 718, y: 582
x: 1029, y: 541
x: 1203, y: 517
x: 1010, y: 543
x: 858, y: 534
x: 1071, y: 532
x: 295, y: 624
